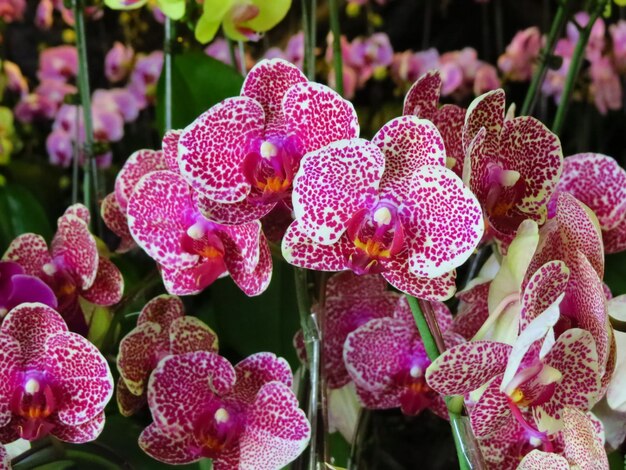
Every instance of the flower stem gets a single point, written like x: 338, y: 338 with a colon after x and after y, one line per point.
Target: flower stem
x: 312, y: 29
x: 468, y: 452
x: 574, y: 68
x: 546, y: 55
x: 337, y: 59
x: 167, y: 66
x: 306, y: 24
x: 242, y: 58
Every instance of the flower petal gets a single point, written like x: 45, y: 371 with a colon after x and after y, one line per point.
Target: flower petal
x: 108, y: 286
x: 115, y: 219
x: 79, y: 211
x: 257, y: 370
x: 491, y: 412
x: 542, y: 290
x: 169, y: 446
x: 128, y: 403
x: 140, y: 163
x: 332, y: 184
x: 189, y: 334
x: 485, y: 111
x: 163, y: 309
x: 242, y: 212
x: 615, y: 239
x: 400, y: 276
x: 192, y: 280
x: 582, y: 444
x: 540, y: 460
x: 212, y: 148
x: 137, y: 353
x: 10, y: 363
x: 81, y: 433
x: 253, y: 282
x: 298, y: 249
x: 450, y: 120
x: 170, y: 149
x: 422, y: 98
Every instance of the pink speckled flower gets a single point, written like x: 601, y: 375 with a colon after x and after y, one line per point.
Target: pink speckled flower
x: 118, y: 61
x: 512, y: 164
x: 164, y: 220
x: 422, y: 100
x: 243, y: 153
x: 72, y: 267
x: 53, y: 381
x: 162, y: 329
x: 518, y: 60
x: 58, y: 63
x: 387, y: 361
x: 389, y: 206
x: 17, y: 287
x: 241, y: 417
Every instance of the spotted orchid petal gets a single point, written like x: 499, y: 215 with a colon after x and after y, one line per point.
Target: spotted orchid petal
x: 600, y: 183
x: 468, y: 366
x: 615, y: 395
x: 242, y: 212
x: 169, y: 445
x: 267, y: 83
x: 251, y: 281
x: 181, y: 385
x: 485, y: 111
x: 540, y: 460
x: 212, y: 148
x: 80, y: 433
x: 137, y: 353
x: 277, y: 430
x: 318, y: 115
x: 140, y: 163
x: 491, y: 412
x: 76, y: 246
x: 192, y: 280
x: 156, y: 218
x: 574, y: 355
x: 615, y: 239
x: 348, y: 284
x: 29, y: 251
x: 108, y: 287
x: 541, y: 291
x: 473, y: 310
x: 189, y: 334
x: 583, y: 447
x: 450, y: 120
x: 257, y: 370
x: 128, y: 403
x: 170, y: 149
x: 163, y: 309
x: 79, y: 211
x: 10, y: 354
x: 422, y: 98
x: 399, y: 275
x: 350, y: 172
x: 115, y: 219
x: 298, y: 249
x: 443, y: 221
x: 5, y: 460
x: 243, y: 243
x: 408, y: 143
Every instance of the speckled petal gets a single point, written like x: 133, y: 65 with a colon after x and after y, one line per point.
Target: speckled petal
x: 137, y: 353
x: 348, y: 284
x: 115, y: 219
x: 235, y: 213
x: 318, y: 115
x: 615, y: 239
x: 156, y: 218
x: 190, y: 281
x: 163, y: 309
x: 332, y: 184
x: 468, y: 366
x: 180, y: 386
x: 491, y: 412
x: 599, y: 182
x: 473, y: 310
x: 170, y: 149
x: 188, y: 334
x: 108, y: 286
x: 128, y: 403
x: 485, y: 111
x: 30, y: 251
x: 583, y: 446
x: 277, y: 430
x: 242, y: 243
x: 81, y: 433
x: 574, y: 355
x: 298, y: 249
x: 442, y: 221
x: 10, y: 363
x: 79, y: 211
x: 541, y: 291
x: 540, y: 460
x: 408, y: 143
x: 422, y: 98
x: 399, y: 275
x: 77, y: 247
x: 82, y: 377
x: 169, y: 446
x: 5, y: 460
x: 450, y: 120
x: 212, y: 148
x: 267, y: 83
x: 255, y: 371
x: 140, y: 163
x: 251, y: 282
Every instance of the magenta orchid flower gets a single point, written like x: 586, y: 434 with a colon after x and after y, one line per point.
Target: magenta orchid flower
x: 422, y: 100
x: 162, y: 329
x: 618, y: 42
x: 599, y: 182
x: 294, y: 51
x: 72, y: 267
x: 241, y: 417
x: 53, y: 381
x: 193, y: 251
x: 518, y: 60
x: 606, y: 85
x: 144, y: 77
x: 243, y: 153
x: 118, y: 62
x: 58, y: 63
x: 370, y: 56
x: 394, y: 376
x: 12, y: 10
x: 17, y: 287
x: 512, y: 164
x: 401, y: 213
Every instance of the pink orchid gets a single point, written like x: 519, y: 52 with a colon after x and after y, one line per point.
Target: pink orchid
x: 370, y: 56
x: 241, y: 417
x: 17, y: 288
x: 60, y: 148
x: 43, y: 14
x: 595, y: 45
x: 193, y: 251
x: 394, y: 377
x: 242, y: 154
x: 518, y: 60
x: 512, y: 164
x: 5, y: 458
x: 600, y: 183
x: 162, y: 329
x: 58, y: 63
x: 615, y: 395
x: 606, y: 86
x: 422, y: 100
x: 53, y: 381
x: 118, y: 62
x: 408, y: 66
x: 34, y: 106
x: 294, y: 51
x: 486, y: 79
x: 116, y: 100
x: 401, y: 213
x: 618, y: 37
x: 144, y: 77
x: 16, y: 82
x: 73, y: 268
x: 12, y: 10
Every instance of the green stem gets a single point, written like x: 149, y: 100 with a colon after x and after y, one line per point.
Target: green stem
x: 312, y: 38
x: 167, y: 66
x: 546, y: 55
x: 454, y: 404
x: 91, y: 170
x: 307, y: 38
x: 337, y: 59
x: 574, y: 68
x: 242, y: 59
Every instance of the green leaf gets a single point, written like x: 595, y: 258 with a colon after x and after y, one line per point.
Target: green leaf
x: 615, y: 273
x: 20, y: 212
x: 198, y: 82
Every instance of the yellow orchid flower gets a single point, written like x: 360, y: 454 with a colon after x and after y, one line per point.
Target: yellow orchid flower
x: 174, y: 9
x: 242, y: 20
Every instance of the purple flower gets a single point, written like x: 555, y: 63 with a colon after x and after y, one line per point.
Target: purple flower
x: 118, y: 61
x: 17, y: 287
x: 58, y: 63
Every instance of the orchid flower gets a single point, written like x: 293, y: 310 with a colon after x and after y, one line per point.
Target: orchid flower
x: 175, y: 9
x: 118, y: 61
x: 12, y: 10
x: 58, y: 63
x: 512, y: 164
x: 241, y: 20
x: 164, y: 220
x: 243, y: 153
x: 53, y: 381
x: 401, y: 213
x: 241, y: 417
x: 17, y: 287
x: 517, y: 61
x: 72, y: 267
x: 162, y: 329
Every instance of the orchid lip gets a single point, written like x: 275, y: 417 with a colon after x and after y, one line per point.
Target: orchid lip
x: 34, y: 401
